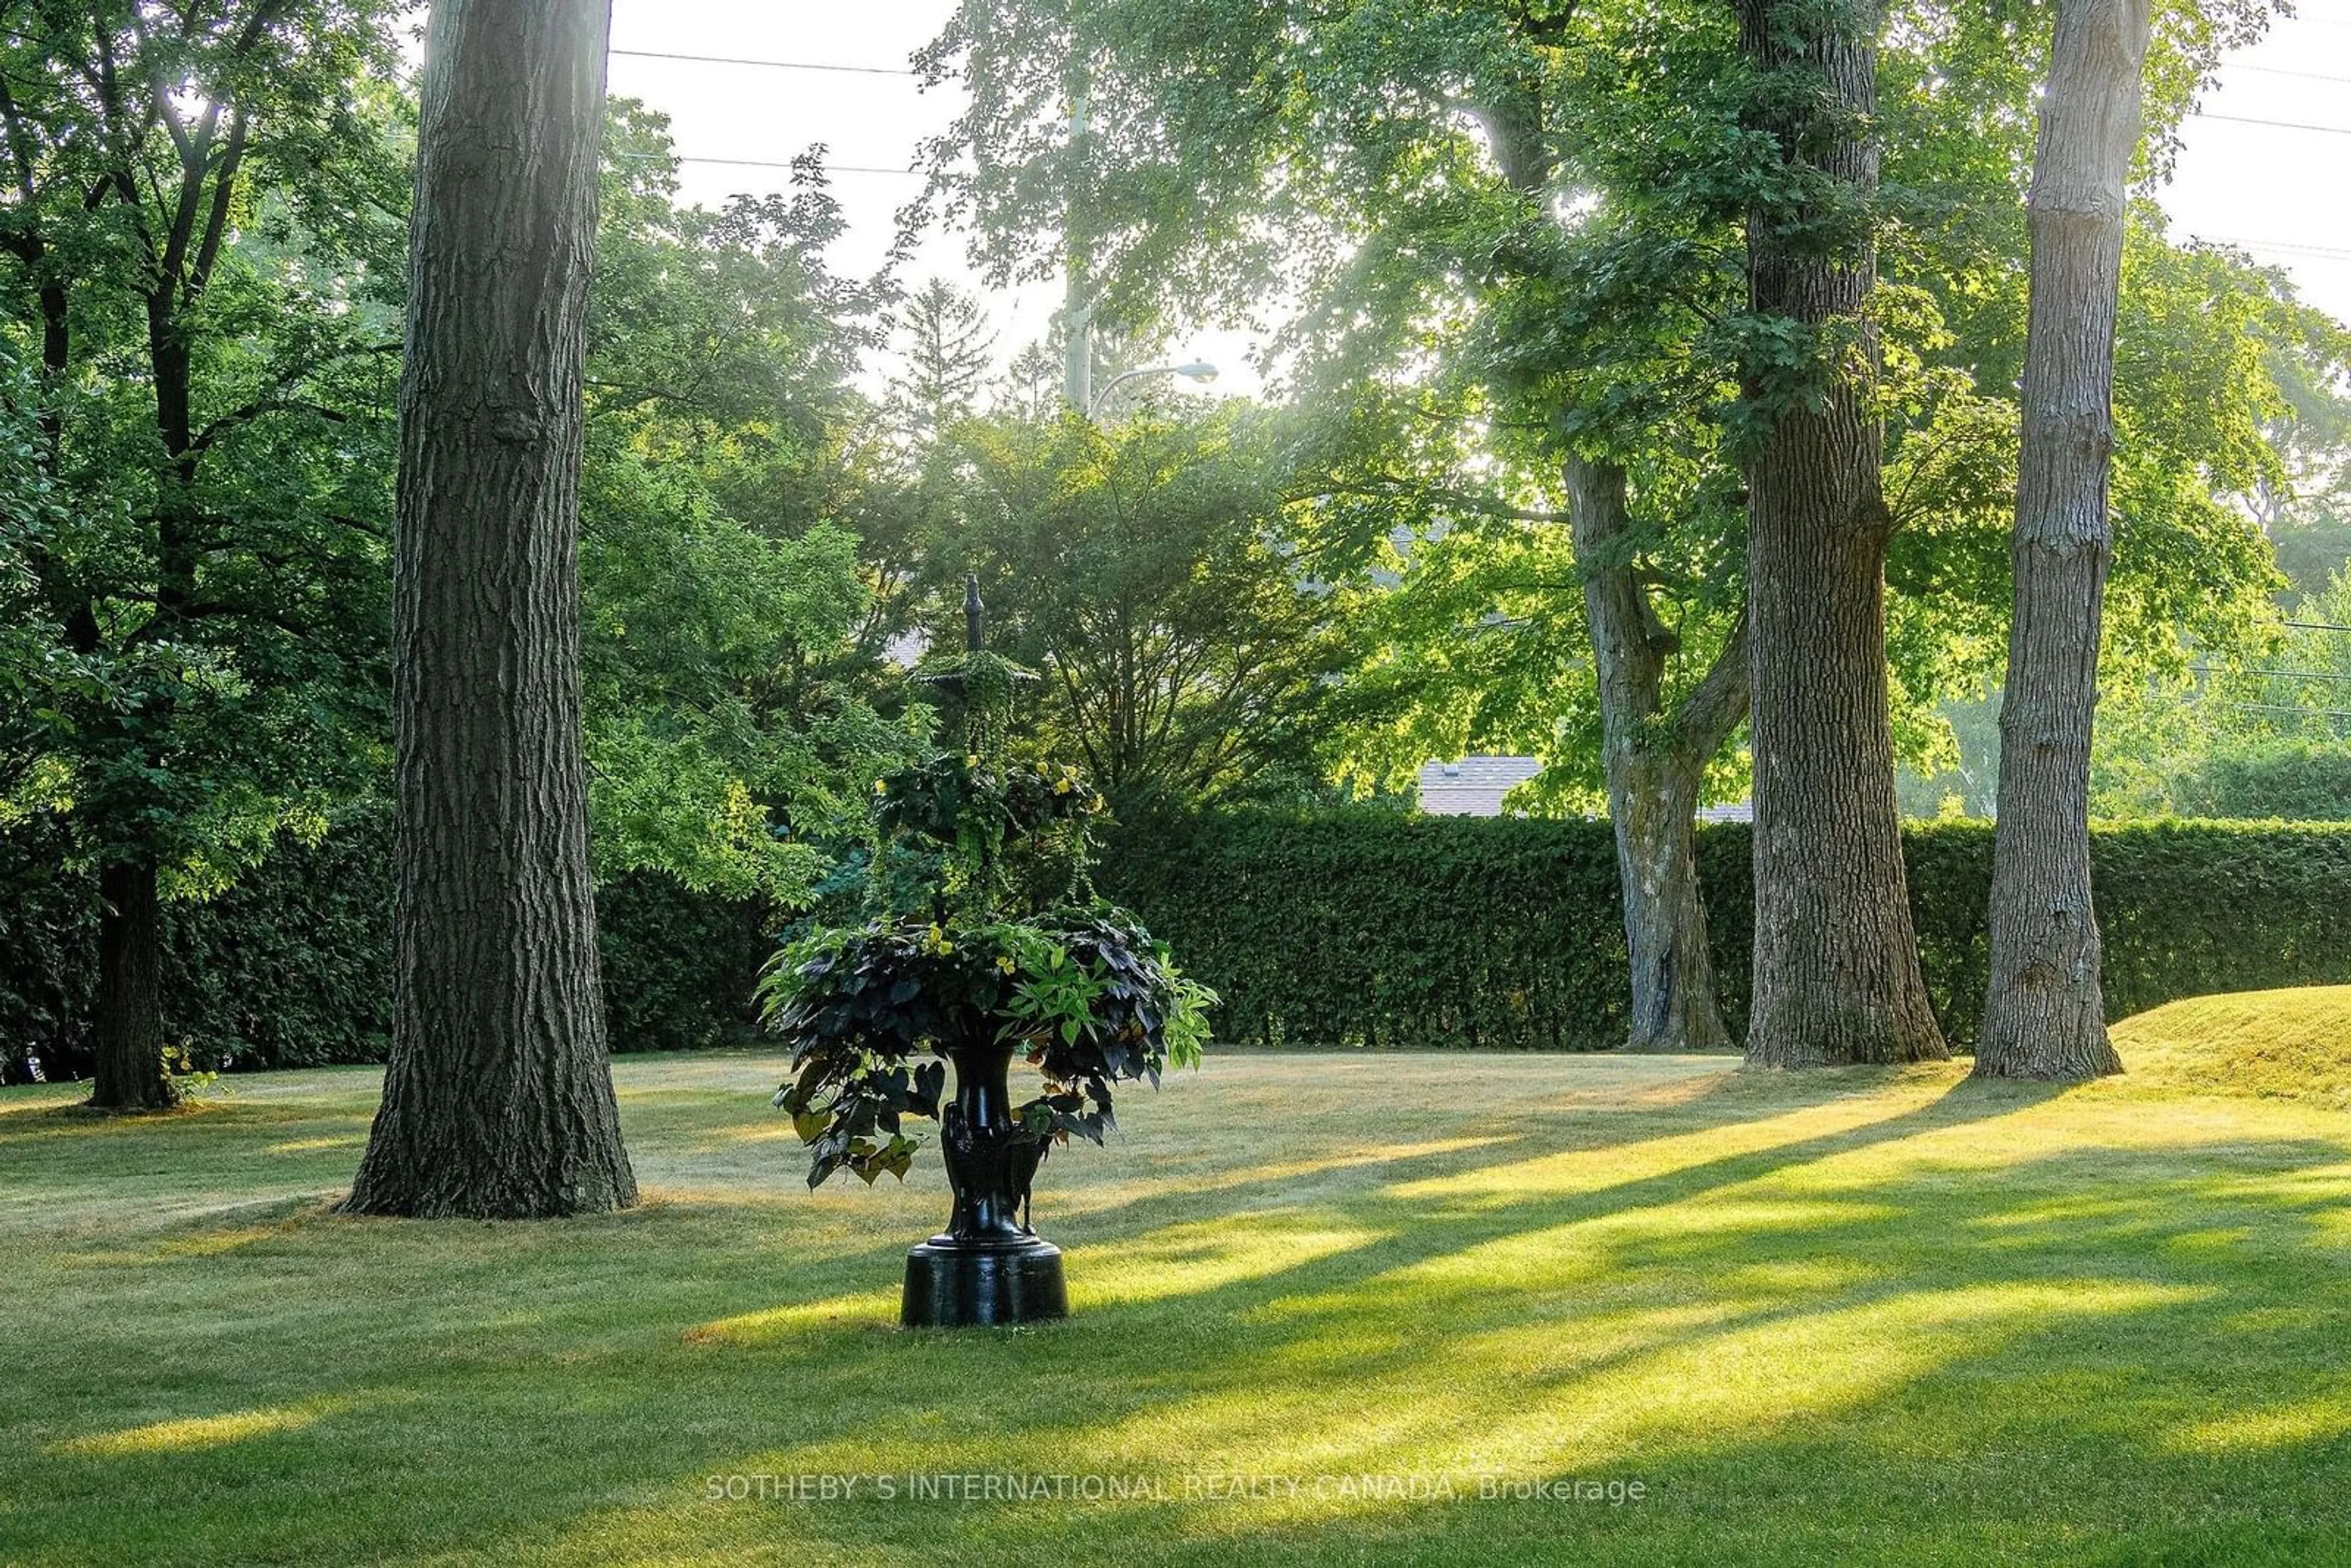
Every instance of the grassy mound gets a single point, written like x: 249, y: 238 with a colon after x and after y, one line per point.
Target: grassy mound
x: 2270, y: 1045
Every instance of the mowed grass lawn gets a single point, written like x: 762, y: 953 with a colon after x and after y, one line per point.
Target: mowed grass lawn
x: 1865, y: 1316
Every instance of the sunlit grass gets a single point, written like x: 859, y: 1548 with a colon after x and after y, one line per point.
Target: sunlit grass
x: 196, y: 1431
x: 1871, y: 1316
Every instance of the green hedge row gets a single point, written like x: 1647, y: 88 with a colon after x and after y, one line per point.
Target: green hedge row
x: 1360, y: 927
x: 291, y: 967
x: 1375, y: 928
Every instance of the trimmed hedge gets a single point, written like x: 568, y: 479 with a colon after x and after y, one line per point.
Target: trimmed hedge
x: 1374, y: 928
x: 1364, y: 927
x: 292, y: 966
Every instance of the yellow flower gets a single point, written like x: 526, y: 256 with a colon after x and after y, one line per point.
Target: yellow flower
x: 1096, y: 804
x: 881, y: 786
x: 971, y: 760
x: 1061, y: 786
x: 1004, y: 964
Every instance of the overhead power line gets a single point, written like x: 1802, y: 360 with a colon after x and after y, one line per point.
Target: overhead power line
x: 787, y: 163
x: 2276, y: 71
x: 836, y: 68
x: 763, y: 163
x: 2281, y: 707
x: 2281, y: 674
x: 908, y: 71
x: 766, y: 65
x: 2276, y: 124
x: 2323, y: 252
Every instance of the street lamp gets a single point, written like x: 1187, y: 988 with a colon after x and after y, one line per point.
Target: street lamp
x: 1198, y: 370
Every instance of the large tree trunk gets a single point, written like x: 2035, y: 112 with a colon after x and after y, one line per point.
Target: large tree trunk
x: 2044, y: 1016
x: 1836, y: 960
x: 1653, y: 800
x: 499, y: 1100
x: 1654, y: 763
x: 128, y: 1011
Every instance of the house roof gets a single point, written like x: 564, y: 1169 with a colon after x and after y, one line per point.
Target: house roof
x: 1473, y: 786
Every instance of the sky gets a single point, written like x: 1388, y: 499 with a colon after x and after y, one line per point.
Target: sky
x: 2280, y: 190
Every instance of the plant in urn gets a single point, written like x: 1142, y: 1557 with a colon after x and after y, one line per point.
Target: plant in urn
x: 1007, y: 954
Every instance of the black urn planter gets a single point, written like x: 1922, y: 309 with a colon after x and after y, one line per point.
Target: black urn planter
x: 988, y: 1265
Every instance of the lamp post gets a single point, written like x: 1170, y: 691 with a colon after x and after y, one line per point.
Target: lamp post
x: 1198, y: 370
x: 1077, y: 297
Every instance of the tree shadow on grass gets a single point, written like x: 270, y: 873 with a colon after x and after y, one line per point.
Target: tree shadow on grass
x: 2012, y: 1385
x: 2000, y: 1288
x: 1812, y: 1342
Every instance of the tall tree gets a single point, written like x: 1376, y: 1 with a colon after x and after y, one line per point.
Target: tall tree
x: 498, y: 1098
x: 730, y: 743
x: 197, y: 196
x: 1653, y: 757
x: 1655, y: 747
x: 1457, y: 143
x: 2045, y: 1013
x: 1836, y: 959
x: 943, y: 357
x: 1520, y: 248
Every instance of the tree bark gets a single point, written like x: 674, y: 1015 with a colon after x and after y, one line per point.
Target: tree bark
x: 498, y: 1099
x: 1654, y: 763
x: 1836, y: 961
x: 128, y: 1016
x: 2045, y: 1015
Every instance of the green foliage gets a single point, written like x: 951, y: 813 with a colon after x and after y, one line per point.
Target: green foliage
x: 1157, y: 575
x: 288, y: 967
x: 967, y: 814
x: 944, y: 344
x: 2313, y: 543
x: 2190, y: 740
x: 2293, y: 781
x: 728, y: 731
x: 42, y: 673
x: 1525, y: 235
x: 1086, y: 995
x: 202, y: 281
x: 1354, y: 927
x: 1368, y: 928
x: 194, y: 628
x: 679, y: 964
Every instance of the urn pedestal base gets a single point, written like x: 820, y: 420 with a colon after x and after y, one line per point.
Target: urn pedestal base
x: 964, y: 1284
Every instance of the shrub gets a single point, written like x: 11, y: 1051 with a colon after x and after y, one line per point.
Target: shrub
x: 1366, y: 928
x: 292, y: 966
x: 1356, y: 927
x: 679, y: 966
